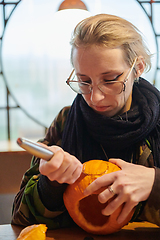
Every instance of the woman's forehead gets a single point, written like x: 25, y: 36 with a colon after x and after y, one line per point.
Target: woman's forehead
x: 94, y: 57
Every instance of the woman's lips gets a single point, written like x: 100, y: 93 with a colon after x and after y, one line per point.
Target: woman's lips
x: 101, y: 109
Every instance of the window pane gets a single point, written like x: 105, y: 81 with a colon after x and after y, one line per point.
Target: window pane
x: 36, y: 60
x: 158, y: 82
x: 158, y: 40
x: 8, y: 10
x: 156, y: 17
x: 22, y: 126
x: 1, y: 21
x: 2, y: 92
x: 147, y: 7
x: 10, y: 1
x: 3, y: 129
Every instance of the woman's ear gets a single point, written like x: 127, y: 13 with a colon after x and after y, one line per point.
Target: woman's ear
x: 139, y: 67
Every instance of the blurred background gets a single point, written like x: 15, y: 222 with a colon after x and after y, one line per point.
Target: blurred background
x: 35, y: 57
x: 35, y: 63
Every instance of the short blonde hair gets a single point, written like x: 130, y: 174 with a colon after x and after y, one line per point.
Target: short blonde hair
x: 113, y: 32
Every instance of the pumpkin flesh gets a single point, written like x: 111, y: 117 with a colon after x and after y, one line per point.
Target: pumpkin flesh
x: 33, y: 232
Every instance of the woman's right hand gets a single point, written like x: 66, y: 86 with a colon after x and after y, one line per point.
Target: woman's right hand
x: 62, y: 167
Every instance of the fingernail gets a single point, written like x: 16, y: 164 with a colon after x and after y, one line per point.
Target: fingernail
x: 105, y: 213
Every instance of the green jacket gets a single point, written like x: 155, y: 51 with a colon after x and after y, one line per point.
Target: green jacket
x: 29, y: 209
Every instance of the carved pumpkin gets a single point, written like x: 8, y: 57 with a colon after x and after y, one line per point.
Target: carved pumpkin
x: 86, y: 211
x: 33, y: 232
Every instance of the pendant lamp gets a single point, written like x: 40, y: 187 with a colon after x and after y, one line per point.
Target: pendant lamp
x: 72, y: 4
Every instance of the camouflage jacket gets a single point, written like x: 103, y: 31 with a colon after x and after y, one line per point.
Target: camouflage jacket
x: 29, y: 209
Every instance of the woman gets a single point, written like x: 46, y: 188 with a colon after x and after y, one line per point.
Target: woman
x: 114, y: 117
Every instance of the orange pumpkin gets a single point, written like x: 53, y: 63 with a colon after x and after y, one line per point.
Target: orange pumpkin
x: 86, y: 211
x: 33, y: 232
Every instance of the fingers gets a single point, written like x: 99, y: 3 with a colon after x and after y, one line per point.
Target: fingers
x: 121, y: 188
x: 68, y: 172
x: 63, y: 167
x: 52, y: 165
x: 127, y: 208
x: 113, y: 205
x: 120, y: 163
x: 117, y: 200
x: 105, y: 195
x: 103, y: 181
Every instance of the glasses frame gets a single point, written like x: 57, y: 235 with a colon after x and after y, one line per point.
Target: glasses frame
x: 112, y: 81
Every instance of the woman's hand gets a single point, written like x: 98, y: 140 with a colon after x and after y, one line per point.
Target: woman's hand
x: 131, y: 185
x: 62, y: 167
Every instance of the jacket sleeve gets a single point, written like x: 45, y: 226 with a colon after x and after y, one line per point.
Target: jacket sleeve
x: 31, y: 204
x: 151, y: 211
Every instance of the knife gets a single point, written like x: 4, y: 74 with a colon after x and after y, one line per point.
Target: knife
x: 35, y: 149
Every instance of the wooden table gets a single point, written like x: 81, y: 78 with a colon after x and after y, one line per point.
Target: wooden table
x: 138, y: 231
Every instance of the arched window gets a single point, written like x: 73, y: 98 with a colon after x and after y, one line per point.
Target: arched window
x: 35, y: 58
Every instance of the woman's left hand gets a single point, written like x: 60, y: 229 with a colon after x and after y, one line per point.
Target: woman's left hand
x: 131, y: 185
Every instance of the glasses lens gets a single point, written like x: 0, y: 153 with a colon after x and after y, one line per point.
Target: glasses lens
x: 80, y: 87
x: 112, y: 88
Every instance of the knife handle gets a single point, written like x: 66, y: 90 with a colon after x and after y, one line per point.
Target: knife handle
x: 35, y: 149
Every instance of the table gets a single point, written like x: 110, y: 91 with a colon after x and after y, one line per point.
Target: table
x: 138, y: 231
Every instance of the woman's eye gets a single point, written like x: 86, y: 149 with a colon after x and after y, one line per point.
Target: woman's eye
x: 84, y: 80
x: 115, y: 79
x: 89, y: 82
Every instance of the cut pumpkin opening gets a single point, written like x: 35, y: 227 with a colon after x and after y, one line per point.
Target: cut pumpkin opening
x: 91, y: 209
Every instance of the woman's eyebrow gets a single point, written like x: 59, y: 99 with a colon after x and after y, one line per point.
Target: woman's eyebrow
x: 115, y: 71
x: 111, y: 71
x: 79, y: 74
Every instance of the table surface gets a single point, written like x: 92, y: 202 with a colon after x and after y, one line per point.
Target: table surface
x: 138, y: 231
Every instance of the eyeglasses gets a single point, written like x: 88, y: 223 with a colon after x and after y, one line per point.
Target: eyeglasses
x: 112, y: 87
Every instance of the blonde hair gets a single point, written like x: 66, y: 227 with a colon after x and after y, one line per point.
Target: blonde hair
x: 112, y: 32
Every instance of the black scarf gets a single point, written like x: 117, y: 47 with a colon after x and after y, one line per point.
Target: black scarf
x: 87, y: 133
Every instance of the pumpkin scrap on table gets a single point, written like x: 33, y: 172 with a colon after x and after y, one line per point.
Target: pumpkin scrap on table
x: 86, y: 210
x: 33, y: 232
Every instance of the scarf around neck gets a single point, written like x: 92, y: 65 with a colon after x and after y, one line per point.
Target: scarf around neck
x: 87, y: 134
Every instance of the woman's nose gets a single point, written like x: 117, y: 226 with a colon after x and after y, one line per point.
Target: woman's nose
x: 96, y: 95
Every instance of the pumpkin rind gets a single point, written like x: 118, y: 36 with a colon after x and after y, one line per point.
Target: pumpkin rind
x: 86, y: 211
